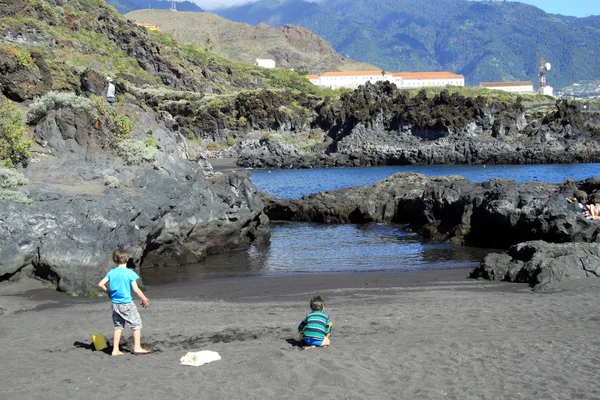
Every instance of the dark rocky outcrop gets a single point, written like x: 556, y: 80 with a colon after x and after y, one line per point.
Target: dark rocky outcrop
x: 545, y: 231
x: 170, y: 215
x: 542, y: 265
x: 493, y: 214
x: 378, y: 125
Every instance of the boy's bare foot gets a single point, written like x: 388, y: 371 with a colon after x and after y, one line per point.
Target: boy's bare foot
x: 141, y: 351
x: 117, y: 353
x: 308, y: 347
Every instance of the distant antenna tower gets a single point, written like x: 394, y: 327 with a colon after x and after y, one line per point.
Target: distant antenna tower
x: 173, y: 6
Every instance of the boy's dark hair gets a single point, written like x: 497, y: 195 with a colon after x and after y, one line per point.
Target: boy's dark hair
x: 120, y: 256
x: 317, y: 303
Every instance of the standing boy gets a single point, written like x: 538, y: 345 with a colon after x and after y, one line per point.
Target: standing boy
x: 110, y: 91
x: 316, y: 326
x: 122, y: 281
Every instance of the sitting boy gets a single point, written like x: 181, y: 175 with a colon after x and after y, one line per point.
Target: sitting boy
x: 315, y: 328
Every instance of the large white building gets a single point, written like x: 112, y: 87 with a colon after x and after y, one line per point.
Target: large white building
x: 413, y: 80
x: 403, y: 80
x: 351, y: 80
x: 513, y: 87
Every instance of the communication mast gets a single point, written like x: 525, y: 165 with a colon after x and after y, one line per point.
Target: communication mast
x: 543, y: 87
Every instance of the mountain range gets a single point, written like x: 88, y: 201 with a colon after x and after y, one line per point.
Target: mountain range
x: 290, y: 46
x: 484, y: 40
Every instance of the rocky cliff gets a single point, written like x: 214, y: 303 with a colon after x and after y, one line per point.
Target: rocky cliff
x: 88, y: 194
x: 493, y: 214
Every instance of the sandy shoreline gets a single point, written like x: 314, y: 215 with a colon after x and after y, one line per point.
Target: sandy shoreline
x: 428, y: 335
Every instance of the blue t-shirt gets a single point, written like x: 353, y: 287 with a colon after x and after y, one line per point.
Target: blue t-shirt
x: 119, y: 279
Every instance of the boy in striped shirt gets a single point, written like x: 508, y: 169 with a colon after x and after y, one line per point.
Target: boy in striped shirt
x: 315, y: 328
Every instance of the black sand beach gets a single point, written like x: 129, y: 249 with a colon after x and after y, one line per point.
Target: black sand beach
x: 426, y: 335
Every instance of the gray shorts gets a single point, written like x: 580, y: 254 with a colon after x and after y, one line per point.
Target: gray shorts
x: 126, y: 313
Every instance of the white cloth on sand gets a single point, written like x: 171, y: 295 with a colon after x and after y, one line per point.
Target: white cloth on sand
x: 199, y: 357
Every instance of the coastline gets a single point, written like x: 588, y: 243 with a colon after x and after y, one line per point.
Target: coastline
x: 425, y: 335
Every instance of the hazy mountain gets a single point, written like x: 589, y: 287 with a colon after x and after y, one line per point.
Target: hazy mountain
x: 484, y: 40
x: 290, y: 46
x: 125, y: 6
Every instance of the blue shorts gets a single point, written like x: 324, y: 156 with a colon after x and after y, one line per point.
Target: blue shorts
x: 313, y: 342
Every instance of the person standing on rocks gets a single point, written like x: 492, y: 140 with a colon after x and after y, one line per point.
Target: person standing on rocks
x: 122, y: 281
x: 110, y: 91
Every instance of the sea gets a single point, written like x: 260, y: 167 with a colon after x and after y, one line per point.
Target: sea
x: 312, y: 248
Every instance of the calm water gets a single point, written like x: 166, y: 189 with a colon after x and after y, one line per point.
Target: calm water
x: 301, y: 248
x: 293, y: 184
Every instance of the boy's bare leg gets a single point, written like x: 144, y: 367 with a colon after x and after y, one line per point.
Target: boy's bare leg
x: 116, y: 340
x: 137, y: 338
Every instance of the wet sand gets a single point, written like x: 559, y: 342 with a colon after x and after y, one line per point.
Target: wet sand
x: 428, y: 335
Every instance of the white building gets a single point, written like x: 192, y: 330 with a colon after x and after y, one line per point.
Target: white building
x: 351, y: 80
x: 314, y: 79
x: 514, y: 87
x: 414, y: 80
x: 547, y: 90
x: 403, y: 80
x: 265, y: 63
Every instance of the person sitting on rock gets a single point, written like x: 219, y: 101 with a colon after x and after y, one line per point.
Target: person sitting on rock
x: 591, y: 211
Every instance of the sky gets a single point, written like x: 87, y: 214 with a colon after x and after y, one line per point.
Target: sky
x: 577, y: 8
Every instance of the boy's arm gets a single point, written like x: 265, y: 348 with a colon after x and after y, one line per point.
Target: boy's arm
x: 302, y: 325
x: 102, y: 285
x: 136, y: 289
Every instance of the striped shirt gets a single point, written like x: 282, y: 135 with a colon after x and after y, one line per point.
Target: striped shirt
x: 315, y: 325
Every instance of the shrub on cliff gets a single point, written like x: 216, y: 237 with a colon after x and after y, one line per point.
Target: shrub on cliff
x: 11, y: 178
x: 14, y: 145
x: 133, y: 152
x: 54, y: 101
x: 14, y: 196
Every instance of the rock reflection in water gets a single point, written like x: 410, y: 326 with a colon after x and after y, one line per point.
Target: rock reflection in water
x: 298, y: 248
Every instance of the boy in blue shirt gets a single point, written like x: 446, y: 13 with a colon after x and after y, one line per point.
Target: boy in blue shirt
x: 315, y: 328
x: 122, y: 281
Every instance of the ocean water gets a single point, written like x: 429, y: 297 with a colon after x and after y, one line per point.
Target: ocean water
x: 311, y: 248
x: 293, y: 184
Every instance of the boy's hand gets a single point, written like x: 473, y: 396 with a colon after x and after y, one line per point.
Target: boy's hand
x: 145, y: 303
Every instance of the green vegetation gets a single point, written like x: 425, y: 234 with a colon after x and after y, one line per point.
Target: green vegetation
x: 21, y: 55
x: 485, y: 41
x: 14, y: 196
x: 133, y: 152
x: 213, y: 146
x: 112, y: 182
x: 491, y: 96
x: 122, y: 125
x: 150, y: 142
x: 11, y: 178
x: 14, y: 142
x: 80, y: 43
x: 291, y: 47
x: 55, y: 100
